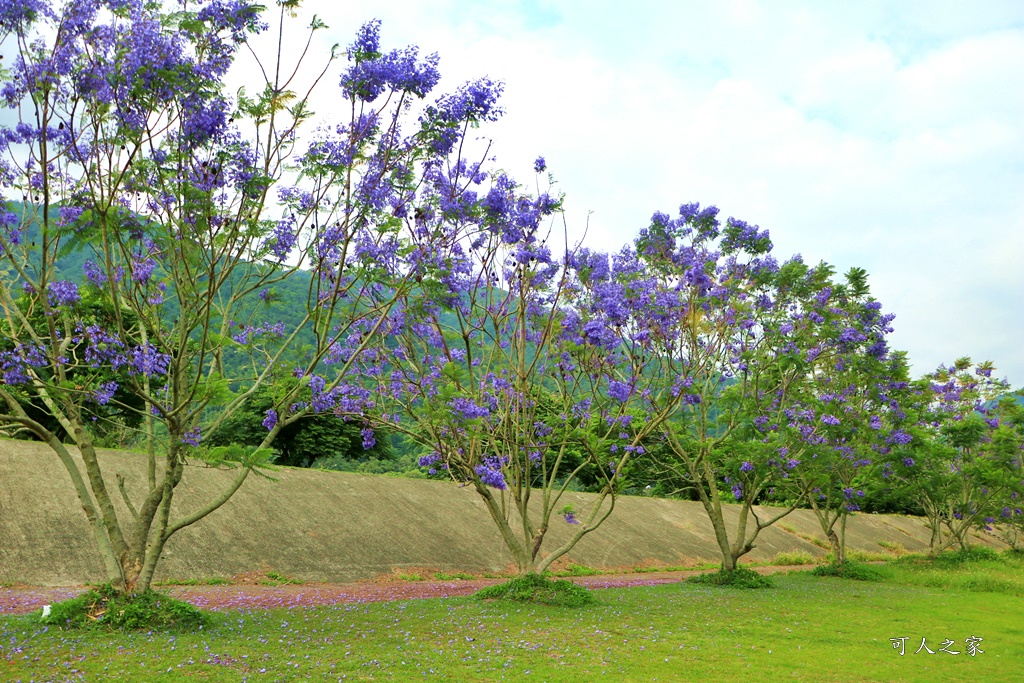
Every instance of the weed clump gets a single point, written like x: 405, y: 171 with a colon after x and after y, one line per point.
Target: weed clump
x: 574, y: 569
x: 453, y: 576
x: 107, y: 608
x: 741, y: 577
x: 537, y: 589
x: 797, y: 557
x: 848, y: 570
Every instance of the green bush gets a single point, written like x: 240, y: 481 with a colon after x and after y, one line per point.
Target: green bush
x: 848, y: 570
x: 104, y: 607
x: 959, y: 557
x: 740, y: 577
x: 537, y: 589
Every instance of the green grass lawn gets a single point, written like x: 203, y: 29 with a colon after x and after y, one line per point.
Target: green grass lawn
x: 804, y: 629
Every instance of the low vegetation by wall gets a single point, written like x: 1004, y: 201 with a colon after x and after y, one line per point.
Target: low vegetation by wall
x: 334, y: 526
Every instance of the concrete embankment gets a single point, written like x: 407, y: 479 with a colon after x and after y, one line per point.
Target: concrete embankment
x: 333, y: 526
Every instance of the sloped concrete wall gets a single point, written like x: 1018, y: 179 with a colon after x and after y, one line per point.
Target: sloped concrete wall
x: 334, y: 526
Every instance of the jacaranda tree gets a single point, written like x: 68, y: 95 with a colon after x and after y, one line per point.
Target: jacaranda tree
x: 524, y: 374
x: 737, y: 339
x: 1008, y: 519
x: 963, y: 466
x: 191, y: 205
x: 847, y: 409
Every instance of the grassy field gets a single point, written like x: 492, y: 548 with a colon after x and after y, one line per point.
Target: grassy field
x: 804, y: 629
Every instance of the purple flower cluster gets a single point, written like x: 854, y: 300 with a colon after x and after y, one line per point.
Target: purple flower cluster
x: 372, y: 73
x: 466, y: 409
x: 490, y: 472
x: 63, y: 293
x: 104, y: 393
x: 191, y: 437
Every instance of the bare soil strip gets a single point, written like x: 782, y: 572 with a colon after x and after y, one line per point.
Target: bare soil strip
x: 24, y: 599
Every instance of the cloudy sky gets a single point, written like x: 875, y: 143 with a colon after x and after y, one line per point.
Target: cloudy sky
x: 886, y: 135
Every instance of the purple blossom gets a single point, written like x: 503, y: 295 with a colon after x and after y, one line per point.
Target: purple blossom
x: 908, y: 462
x: 540, y: 165
x: 16, y: 15
x: 142, y: 268
x: 63, y: 293
x: 283, y: 238
x: 746, y: 467
x: 570, y: 518
x: 372, y: 72
x: 104, y: 393
x: 737, y: 491
x: 191, y: 437
x: 428, y: 460
x: 490, y: 472
x: 829, y: 419
x: 901, y: 437
x: 468, y: 410
x: 94, y: 274
x: 146, y: 360
x: 620, y: 391
x: 270, y: 421
x: 369, y: 439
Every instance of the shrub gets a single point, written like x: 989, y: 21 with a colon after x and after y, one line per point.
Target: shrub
x: 848, y: 570
x: 973, y: 554
x: 105, y: 607
x: 740, y: 577
x: 537, y: 589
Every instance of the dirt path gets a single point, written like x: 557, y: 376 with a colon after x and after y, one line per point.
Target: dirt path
x: 24, y: 599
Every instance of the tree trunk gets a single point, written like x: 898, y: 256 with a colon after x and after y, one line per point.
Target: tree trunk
x: 521, y: 554
x: 838, y: 547
x: 713, y: 506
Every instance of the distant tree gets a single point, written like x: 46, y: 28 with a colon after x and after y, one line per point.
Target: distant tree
x: 317, y: 436
x: 848, y: 409
x: 964, y: 464
x: 746, y: 338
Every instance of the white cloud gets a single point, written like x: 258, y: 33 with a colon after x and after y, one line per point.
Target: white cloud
x: 879, y: 135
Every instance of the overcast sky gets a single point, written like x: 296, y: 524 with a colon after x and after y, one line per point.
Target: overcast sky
x: 885, y: 135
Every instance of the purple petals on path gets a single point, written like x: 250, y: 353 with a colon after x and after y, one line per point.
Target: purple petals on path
x: 27, y: 599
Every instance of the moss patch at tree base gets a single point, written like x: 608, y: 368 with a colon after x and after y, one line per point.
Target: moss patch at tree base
x: 105, y: 607
x: 534, y: 588
x: 737, y: 578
